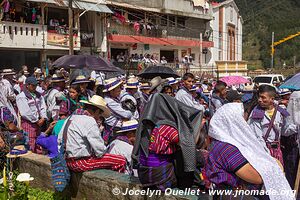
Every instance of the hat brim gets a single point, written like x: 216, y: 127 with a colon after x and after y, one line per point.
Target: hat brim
x: 173, y: 83
x: 113, y: 87
x: 19, y: 147
x: 286, y: 93
x: 78, y: 82
x: 123, y: 131
x: 106, y: 112
x: 131, y: 87
x: 158, y: 84
x: 9, y: 73
x: 144, y: 88
x: 59, y: 80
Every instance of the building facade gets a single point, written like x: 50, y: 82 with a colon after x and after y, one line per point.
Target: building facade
x: 227, y: 28
x: 34, y: 33
x: 159, y: 28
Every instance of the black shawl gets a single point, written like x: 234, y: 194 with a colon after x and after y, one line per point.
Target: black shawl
x: 163, y: 109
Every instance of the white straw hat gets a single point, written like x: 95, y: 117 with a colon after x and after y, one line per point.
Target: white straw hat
x: 172, y: 81
x: 132, y: 83
x: 98, y: 102
x: 129, y: 126
x: 111, y: 84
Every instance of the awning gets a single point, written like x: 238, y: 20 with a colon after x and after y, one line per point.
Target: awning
x: 158, y: 41
x: 44, y: 1
x: 82, y: 5
x: 91, y: 7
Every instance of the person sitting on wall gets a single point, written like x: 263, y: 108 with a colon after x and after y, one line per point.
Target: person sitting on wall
x: 85, y: 148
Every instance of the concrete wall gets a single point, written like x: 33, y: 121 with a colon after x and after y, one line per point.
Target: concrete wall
x: 21, y: 35
x: 93, y: 185
x: 176, y: 7
x: 143, y: 3
x: 27, y: 36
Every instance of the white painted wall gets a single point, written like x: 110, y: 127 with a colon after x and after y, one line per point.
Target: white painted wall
x: 26, y: 36
x: 31, y: 35
x: 234, y: 19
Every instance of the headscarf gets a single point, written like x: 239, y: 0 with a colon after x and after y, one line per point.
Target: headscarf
x: 228, y: 125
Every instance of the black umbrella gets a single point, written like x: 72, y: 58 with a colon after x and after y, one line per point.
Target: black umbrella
x: 86, y: 61
x: 158, y: 70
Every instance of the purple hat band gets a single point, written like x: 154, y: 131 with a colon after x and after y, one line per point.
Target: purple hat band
x: 132, y: 84
x: 112, y: 84
x: 126, y: 128
x: 58, y: 79
x: 172, y: 82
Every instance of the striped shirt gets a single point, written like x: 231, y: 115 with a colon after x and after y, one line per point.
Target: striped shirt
x: 223, y: 162
x: 163, y: 140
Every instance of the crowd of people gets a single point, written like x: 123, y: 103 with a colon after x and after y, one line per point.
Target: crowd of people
x: 170, y: 133
x: 153, y: 59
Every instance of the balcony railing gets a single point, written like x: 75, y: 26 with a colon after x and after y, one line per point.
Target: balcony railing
x: 158, y: 31
x: 21, y: 35
x: 33, y: 36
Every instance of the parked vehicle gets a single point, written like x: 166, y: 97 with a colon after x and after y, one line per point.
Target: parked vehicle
x: 269, y: 79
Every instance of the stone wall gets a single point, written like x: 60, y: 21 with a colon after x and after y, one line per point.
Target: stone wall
x: 98, y: 184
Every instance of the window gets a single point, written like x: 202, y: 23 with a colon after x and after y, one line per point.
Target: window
x: 262, y: 79
x: 135, y: 16
x: 163, y: 20
x: 180, y: 22
x: 171, y: 21
x: 280, y: 78
x: 220, y: 55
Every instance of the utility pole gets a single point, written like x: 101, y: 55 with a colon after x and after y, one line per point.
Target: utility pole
x: 200, y: 53
x: 71, y: 43
x: 295, y: 60
x: 272, y: 53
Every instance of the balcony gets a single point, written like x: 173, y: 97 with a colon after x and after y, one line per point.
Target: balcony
x: 34, y: 36
x: 21, y: 35
x: 156, y: 31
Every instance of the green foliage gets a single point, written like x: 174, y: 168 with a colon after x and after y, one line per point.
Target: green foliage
x: 23, y: 192
x: 261, y: 18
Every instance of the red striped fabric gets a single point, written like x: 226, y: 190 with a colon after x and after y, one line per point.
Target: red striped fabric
x: 162, y: 140
x: 107, y: 161
x: 33, y: 131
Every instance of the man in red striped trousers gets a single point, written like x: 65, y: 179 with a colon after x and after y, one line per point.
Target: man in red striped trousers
x: 85, y: 148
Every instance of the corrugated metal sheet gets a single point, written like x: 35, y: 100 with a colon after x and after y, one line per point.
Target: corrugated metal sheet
x: 92, y: 7
x: 44, y: 1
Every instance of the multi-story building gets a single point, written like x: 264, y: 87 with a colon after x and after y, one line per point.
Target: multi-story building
x: 36, y: 31
x: 160, y: 28
x: 227, y: 27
